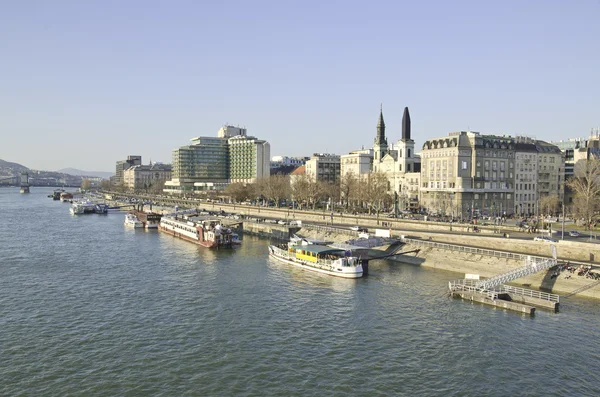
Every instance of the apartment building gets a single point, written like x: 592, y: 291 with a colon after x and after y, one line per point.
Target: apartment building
x: 147, y: 178
x: 323, y: 167
x: 468, y: 174
x: 539, y: 172
x: 123, y: 165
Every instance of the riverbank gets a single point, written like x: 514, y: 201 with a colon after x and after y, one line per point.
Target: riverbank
x: 484, y: 265
x: 450, y: 260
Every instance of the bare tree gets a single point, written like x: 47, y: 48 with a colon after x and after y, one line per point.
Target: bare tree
x: 348, y: 185
x: 275, y: 187
x: 376, y: 191
x: 105, y: 184
x: 586, y: 185
x: 238, y: 191
x: 86, y: 184
x: 314, y: 192
x: 331, y: 191
x: 300, y: 188
x: 549, y: 204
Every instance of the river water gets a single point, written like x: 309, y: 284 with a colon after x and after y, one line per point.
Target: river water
x: 89, y: 307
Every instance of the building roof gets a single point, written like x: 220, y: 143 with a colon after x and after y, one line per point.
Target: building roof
x: 299, y: 170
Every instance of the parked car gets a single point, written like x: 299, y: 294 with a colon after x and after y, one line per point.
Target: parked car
x: 544, y: 239
x: 574, y: 233
x: 355, y: 228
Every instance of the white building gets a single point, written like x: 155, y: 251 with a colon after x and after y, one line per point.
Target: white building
x: 323, y: 167
x: 357, y: 163
x: 146, y: 177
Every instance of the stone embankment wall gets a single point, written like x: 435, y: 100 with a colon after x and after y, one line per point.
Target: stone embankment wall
x: 487, y: 266
x: 567, y: 250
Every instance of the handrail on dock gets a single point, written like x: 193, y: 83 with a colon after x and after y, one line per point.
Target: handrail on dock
x: 470, y: 250
x: 471, y: 286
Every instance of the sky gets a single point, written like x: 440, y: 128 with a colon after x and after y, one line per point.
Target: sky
x: 85, y: 83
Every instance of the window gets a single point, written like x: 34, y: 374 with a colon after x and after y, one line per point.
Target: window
x: 465, y: 165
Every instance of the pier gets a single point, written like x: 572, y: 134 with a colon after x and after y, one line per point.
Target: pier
x: 493, y: 291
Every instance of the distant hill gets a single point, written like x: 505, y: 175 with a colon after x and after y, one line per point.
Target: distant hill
x: 7, y: 166
x: 76, y: 172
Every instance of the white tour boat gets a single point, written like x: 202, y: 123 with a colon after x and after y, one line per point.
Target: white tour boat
x: 318, y: 258
x: 132, y: 221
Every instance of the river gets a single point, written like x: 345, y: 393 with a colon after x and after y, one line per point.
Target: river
x: 89, y: 307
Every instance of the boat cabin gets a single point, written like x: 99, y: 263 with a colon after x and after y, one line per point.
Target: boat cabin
x: 315, y: 253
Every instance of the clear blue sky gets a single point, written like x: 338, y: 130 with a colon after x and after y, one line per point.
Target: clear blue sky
x: 85, y: 83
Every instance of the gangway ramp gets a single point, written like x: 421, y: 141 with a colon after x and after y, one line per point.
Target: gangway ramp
x: 532, y: 265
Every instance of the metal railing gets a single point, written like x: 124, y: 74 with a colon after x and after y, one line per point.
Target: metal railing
x: 471, y: 286
x: 330, y: 229
x: 470, y: 250
x: 531, y: 293
x: 532, y: 266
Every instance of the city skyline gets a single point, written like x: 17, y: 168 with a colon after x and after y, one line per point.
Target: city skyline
x: 88, y: 84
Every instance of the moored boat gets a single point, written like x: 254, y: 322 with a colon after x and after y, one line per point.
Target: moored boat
x: 101, y: 208
x: 151, y: 220
x: 56, y: 194
x: 235, y: 239
x: 319, y: 258
x: 79, y: 208
x: 206, y: 232
x: 132, y: 221
x: 66, y: 196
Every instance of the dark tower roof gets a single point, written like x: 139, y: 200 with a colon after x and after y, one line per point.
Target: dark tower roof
x: 406, y: 125
x: 380, y: 138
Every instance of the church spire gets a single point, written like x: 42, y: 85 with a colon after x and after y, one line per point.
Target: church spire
x: 406, y: 125
x: 380, y: 138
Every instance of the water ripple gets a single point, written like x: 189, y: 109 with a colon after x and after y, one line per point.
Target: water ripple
x: 88, y: 307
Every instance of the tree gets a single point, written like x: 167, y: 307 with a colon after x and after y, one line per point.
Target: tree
x: 300, y: 188
x: 105, y: 184
x: 275, y: 187
x: 375, y: 192
x: 314, y: 192
x: 331, y: 191
x: 86, y: 184
x: 157, y: 186
x: 238, y: 191
x: 348, y: 185
x: 549, y: 204
x: 586, y: 185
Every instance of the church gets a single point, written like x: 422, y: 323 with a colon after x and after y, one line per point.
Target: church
x: 399, y: 162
